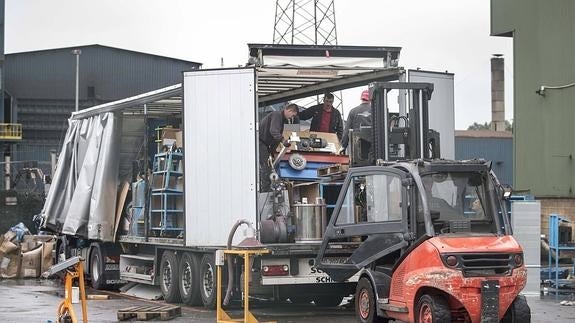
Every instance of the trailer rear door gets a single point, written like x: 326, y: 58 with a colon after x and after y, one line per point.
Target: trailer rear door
x: 219, y: 148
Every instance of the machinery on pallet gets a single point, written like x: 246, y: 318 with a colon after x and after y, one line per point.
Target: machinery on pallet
x: 433, y: 242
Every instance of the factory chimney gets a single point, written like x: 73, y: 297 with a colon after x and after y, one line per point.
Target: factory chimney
x: 497, y: 93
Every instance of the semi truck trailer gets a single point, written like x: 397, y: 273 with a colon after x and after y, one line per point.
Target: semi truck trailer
x: 181, y: 165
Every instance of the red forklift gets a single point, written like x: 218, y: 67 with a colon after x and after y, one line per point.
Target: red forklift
x: 429, y: 238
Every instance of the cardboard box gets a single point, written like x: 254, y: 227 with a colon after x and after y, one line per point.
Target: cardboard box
x: 172, y: 133
x: 47, y: 259
x: 8, y: 247
x: 9, y: 265
x: 31, y: 263
x: 308, y: 190
x: 179, y: 141
x: 333, y: 143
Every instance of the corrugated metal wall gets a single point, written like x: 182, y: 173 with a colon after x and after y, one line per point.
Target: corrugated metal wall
x: 113, y: 73
x: 43, y: 84
x: 498, y: 150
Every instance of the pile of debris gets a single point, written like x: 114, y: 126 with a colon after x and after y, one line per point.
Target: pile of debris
x: 23, y: 255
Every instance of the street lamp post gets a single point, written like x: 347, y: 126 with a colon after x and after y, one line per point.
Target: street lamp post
x: 77, y: 52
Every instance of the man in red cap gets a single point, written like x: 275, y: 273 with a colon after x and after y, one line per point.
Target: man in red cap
x: 359, y: 116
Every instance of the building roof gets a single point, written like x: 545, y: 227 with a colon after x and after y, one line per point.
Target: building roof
x: 483, y: 134
x: 102, y: 46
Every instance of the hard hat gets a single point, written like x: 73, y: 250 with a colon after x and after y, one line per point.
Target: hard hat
x: 365, y: 95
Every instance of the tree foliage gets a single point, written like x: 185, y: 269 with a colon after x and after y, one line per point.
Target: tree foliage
x: 487, y: 126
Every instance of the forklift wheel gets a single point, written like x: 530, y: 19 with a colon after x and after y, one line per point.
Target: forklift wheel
x: 365, y: 310
x: 519, y: 311
x: 432, y: 309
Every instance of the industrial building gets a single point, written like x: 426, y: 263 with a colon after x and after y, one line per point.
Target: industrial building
x: 41, y: 88
x: 495, y: 146
x: 544, y: 92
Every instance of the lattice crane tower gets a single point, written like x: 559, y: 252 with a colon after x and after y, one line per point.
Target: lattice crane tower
x: 307, y: 22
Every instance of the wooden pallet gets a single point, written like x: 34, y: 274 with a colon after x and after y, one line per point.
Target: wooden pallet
x: 335, y: 169
x: 149, y: 312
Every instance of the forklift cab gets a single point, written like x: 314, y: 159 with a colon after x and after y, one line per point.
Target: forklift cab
x: 425, y: 228
x: 429, y: 238
x: 390, y: 208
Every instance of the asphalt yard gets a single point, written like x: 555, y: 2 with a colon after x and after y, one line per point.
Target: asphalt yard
x: 35, y: 300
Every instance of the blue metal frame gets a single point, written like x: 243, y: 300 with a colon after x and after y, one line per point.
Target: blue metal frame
x: 554, y: 222
x: 167, y: 194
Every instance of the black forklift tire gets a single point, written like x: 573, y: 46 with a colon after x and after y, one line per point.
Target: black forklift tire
x: 189, y: 281
x: 169, y: 277
x: 518, y: 311
x: 365, y: 303
x: 434, y: 307
x: 328, y: 300
x: 97, y: 278
x: 208, y: 282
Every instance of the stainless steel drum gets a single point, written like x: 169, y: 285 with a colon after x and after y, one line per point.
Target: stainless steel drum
x: 310, y: 221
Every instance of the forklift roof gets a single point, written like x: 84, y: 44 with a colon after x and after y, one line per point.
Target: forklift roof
x: 474, y: 165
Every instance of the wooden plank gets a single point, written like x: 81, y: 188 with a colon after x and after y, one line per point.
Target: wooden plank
x: 120, y: 206
x: 335, y: 169
x: 98, y: 297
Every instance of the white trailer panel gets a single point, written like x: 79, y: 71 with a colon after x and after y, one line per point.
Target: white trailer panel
x: 220, y: 157
x: 441, y: 107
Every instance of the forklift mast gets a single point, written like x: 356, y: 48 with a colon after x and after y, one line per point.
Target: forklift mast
x: 396, y: 137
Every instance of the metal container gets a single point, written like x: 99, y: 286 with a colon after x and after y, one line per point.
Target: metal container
x: 310, y: 221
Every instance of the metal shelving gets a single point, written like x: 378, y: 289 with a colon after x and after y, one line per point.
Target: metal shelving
x: 166, y: 204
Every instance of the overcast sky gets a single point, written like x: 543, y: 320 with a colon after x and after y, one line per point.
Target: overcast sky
x: 441, y: 35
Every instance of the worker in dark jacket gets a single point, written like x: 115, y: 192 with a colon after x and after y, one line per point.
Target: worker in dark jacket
x: 359, y: 116
x: 325, y: 118
x: 270, y: 135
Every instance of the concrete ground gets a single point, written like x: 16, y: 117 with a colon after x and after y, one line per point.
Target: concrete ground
x: 35, y: 300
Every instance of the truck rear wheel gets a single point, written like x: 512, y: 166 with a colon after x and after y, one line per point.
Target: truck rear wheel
x: 518, y: 311
x: 189, y: 282
x: 97, y: 268
x: 208, y: 283
x: 365, y: 303
x: 169, y: 277
x: 432, y: 309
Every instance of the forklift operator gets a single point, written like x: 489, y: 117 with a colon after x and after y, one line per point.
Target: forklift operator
x: 270, y: 135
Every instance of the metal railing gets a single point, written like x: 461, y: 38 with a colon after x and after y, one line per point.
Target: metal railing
x: 10, y: 131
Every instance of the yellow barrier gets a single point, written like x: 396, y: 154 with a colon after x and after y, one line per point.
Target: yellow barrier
x: 10, y: 131
x: 221, y: 315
